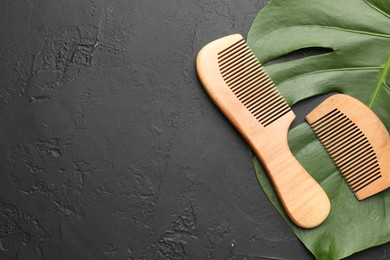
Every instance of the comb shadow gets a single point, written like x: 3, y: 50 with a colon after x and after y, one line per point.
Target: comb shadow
x: 302, y: 108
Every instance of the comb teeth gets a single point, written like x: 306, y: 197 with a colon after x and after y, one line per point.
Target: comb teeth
x: 349, y: 148
x: 245, y: 76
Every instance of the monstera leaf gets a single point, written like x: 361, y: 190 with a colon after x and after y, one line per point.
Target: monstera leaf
x: 356, y: 34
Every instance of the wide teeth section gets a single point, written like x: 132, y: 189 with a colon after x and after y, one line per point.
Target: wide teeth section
x: 349, y: 148
x: 248, y: 80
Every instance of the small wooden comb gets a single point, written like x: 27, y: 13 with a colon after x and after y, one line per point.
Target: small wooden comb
x: 240, y: 87
x: 356, y: 140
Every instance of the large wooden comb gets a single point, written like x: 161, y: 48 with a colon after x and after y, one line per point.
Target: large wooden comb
x: 356, y: 140
x: 240, y: 87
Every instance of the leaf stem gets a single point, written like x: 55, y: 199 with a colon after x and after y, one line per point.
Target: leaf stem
x: 385, y: 70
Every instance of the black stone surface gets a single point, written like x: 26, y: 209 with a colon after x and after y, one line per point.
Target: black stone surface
x: 110, y: 148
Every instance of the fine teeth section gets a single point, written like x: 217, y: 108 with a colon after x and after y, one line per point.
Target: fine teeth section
x: 251, y: 84
x: 349, y: 148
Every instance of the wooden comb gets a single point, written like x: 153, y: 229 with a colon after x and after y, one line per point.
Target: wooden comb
x: 240, y: 87
x: 356, y: 140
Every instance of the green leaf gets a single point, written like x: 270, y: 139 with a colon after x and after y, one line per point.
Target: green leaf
x: 358, y: 32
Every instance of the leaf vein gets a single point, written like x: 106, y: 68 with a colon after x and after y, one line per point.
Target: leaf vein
x: 330, y: 70
x: 377, y: 9
x: 356, y: 31
x: 387, y: 86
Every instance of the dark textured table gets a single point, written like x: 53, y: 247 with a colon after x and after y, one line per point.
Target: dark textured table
x: 110, y: 147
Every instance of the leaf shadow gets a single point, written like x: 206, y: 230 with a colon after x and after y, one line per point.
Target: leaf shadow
x: 300, y: 54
